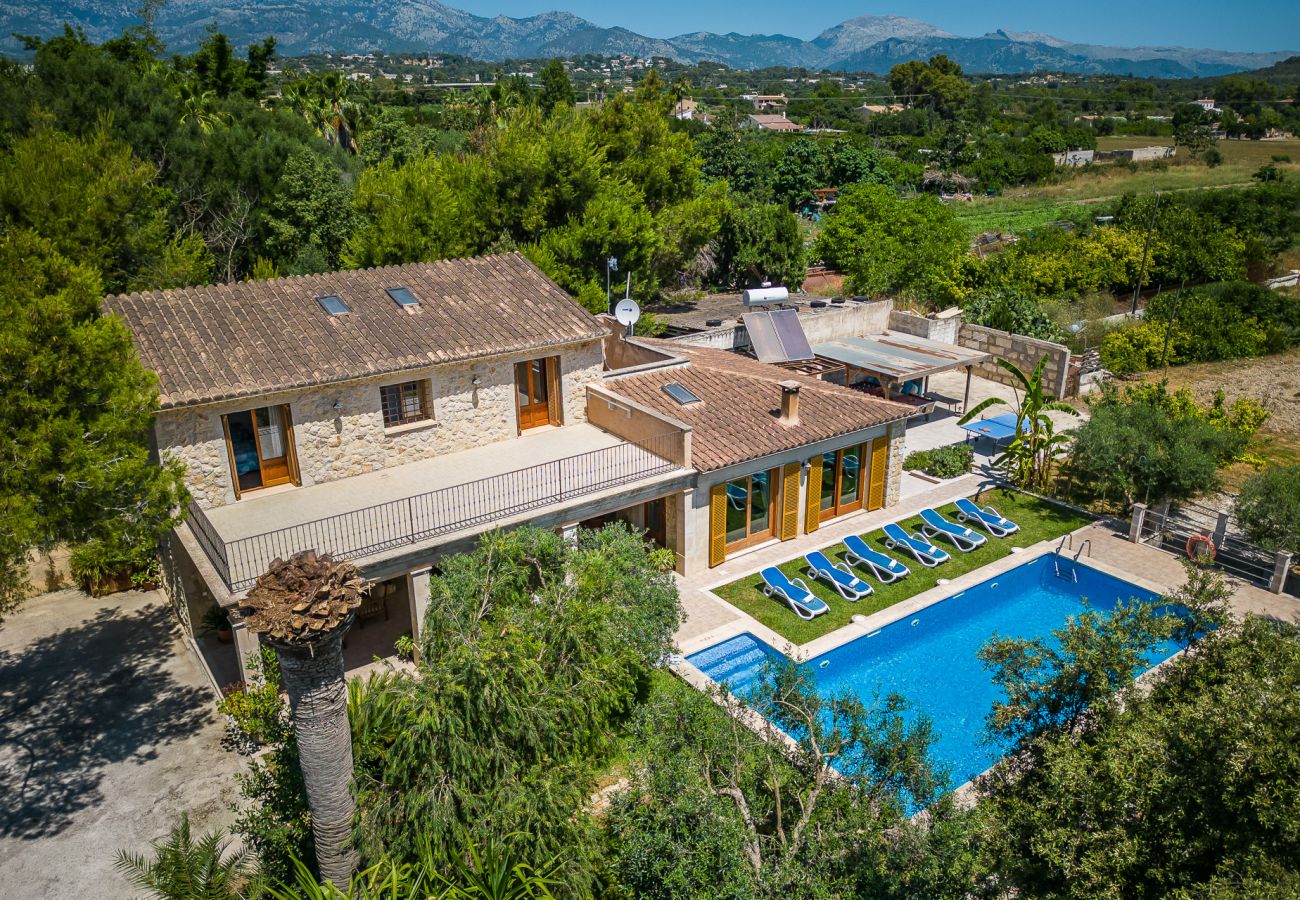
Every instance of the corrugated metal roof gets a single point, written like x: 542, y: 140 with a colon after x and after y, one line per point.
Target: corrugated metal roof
x: 899, y: 357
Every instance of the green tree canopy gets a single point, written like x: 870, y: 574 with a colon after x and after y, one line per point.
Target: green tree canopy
x: 75, y: 422
x: 533, y: 650
x: 886, y: 244
x: 1268, y: 509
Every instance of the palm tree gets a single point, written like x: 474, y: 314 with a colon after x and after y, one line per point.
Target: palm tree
x: 302, y: 606
x: 197, y: 107
x: 183, y: 868
x: 1029, y: 457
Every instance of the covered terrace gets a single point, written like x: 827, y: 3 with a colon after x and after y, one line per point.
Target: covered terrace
x: 900, y: 364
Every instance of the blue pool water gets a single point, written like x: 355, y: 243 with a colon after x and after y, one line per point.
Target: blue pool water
x: 930, y: 657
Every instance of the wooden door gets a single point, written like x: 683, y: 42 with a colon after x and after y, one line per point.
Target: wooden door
x: 532, y: 393
x: 259, y: 443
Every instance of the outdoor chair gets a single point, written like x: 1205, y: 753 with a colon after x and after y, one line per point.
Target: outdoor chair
x: 793, y: 591
x: 962, y: 537
x: 926, y: 553
x: 986, y: 517
x: 849, y: 586
x: 885, y: 568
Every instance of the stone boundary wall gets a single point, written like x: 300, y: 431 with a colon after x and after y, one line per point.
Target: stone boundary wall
x: 945, y: 331
x: 1025, y: 352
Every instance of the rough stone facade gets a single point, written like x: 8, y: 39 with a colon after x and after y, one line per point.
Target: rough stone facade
x: 1025, y: 352
x: 333, y: 444
x: 894, y: 478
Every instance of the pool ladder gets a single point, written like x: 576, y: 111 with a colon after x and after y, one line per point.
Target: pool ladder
x: 1068, y: 541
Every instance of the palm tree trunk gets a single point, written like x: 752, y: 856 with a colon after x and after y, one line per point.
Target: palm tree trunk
x: 318, y: 695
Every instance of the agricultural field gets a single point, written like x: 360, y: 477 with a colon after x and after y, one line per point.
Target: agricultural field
x: 1025, y: 209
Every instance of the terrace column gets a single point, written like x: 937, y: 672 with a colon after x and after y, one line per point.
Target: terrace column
x: 965, y: 401
x: 417, y: 592
x: 246, y: 645
x: 570, y: 533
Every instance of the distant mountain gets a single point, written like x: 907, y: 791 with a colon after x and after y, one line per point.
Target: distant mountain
x: 866, y: 43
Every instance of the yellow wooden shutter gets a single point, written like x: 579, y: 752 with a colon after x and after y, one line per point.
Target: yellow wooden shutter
x: 717, y: 524
x: 879, y: 467
x: 790, y: 501
x: 813, y: 510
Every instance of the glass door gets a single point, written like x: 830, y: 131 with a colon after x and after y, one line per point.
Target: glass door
x: 749, y: 509
x: 842, y: 471
x: 532, y: 393
x: 258, y: 443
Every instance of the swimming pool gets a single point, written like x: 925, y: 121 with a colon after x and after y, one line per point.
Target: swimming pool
x: 930, y: 657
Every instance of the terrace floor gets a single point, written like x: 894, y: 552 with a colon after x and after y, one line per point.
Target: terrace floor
x: 295, y: 506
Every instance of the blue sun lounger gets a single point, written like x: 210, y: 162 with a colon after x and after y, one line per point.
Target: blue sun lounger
x: 986, y: 517
x: 963, y: 538
x: 805, y: 603
x: 885, y: 568
x: 850, y: 586
x: 926, y: 554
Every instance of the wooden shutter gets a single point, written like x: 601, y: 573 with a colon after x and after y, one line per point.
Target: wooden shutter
x: 790, y: 501
x: 879, y: 468
x: 554, y: 401
x: 813, y: 510
x: 717, y: 524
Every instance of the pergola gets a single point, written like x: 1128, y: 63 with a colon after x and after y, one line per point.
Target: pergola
x: 893, y: 358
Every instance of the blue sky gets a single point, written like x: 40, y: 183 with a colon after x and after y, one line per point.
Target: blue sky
x: 1242, y: 25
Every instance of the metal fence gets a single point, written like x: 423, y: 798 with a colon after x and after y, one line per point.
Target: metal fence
x: 383, y: 526
x: 1170, y: 527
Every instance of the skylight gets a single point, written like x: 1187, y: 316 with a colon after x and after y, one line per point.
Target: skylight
x: 680, y: 393
x: 334, y: 305
x: 403, y: 297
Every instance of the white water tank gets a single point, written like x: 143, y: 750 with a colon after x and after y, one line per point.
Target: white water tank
x: 764, y: 296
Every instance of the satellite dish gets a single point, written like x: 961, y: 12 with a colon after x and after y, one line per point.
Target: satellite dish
x: 627, y: 312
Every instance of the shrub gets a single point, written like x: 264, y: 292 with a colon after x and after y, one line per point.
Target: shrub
x: 1268, y: 508
x: 1135, y: 348
x: 942, y: 462
x: 1010, y: 310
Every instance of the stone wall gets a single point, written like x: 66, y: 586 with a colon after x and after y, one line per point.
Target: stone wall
x: 1025, y: 352
x: 333, y: 444
x: 894, y: 475
x: 944, y: 330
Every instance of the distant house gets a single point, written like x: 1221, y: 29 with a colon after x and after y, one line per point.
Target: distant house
x: 688, y: 110
x: 765, y: 101
x: 1207, y: 105
x: 772, y: 122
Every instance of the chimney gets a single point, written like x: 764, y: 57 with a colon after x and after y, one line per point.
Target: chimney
x: 789, y: 403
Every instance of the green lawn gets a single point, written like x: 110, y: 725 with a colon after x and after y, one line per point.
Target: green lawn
x: 1038, y: 521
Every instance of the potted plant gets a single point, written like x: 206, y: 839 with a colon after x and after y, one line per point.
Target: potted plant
x: 218, y: 619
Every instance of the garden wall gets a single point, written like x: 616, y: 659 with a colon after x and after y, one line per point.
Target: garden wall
x: 1025, y: 352
x: 944, y: 329
x: 852, y: 319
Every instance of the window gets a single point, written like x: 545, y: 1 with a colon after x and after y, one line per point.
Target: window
x: 403, y: 297
x: 260, y: 445
x: 682, y: 394
x: 334, y: 305
x: 749, y: 509
x: 405, y: 403
x: 841, y: 480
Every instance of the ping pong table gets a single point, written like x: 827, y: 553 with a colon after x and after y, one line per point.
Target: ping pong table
x: 997, y: 429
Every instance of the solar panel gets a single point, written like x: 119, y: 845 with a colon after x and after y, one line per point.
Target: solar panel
x: 334, y: 305
x: 403, y: 297
x: 777, y: 336
x: 680, y: 393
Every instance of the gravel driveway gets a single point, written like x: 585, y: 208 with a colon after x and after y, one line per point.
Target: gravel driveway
x: 108, y: 733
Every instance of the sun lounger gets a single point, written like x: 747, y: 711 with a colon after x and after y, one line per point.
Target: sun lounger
x: 805, y: 603
x: 962, y: 537
x: 885, y: 568
x: 986, y: 517
x: 850, y: 586
x: 926, y: 554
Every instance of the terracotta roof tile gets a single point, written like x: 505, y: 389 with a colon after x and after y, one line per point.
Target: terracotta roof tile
x: 239, y: 340
x: 737, y: 418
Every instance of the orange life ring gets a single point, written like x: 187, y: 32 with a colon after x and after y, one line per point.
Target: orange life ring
x: 1201, y: 539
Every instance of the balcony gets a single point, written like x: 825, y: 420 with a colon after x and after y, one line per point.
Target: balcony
x: 368, y: 517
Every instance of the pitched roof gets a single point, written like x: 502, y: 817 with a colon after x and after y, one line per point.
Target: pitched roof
x: 226, y: 341
x: 737, y: 418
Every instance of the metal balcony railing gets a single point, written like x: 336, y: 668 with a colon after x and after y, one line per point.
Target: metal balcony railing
x: 383, y: 526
